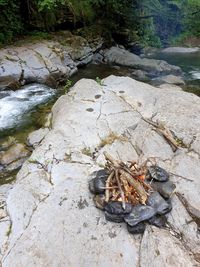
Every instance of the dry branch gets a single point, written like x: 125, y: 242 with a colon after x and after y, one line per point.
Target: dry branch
x: 131, y: 188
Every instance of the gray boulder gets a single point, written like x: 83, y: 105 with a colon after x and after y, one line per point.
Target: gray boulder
x: 47, y: 62
x: 118, y: 56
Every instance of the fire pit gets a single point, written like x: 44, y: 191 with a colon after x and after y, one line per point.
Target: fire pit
x: 133, y: 194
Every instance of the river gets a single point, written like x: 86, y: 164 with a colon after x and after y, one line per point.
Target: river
x: 189, y: 63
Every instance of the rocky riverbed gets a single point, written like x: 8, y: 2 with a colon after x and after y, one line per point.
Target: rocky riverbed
x: 48, y: 217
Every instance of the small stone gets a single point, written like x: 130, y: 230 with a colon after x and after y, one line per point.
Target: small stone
x: 97, y: 185
x: 115, y: 207
x: 157, y: 202
x: 137, y: 229
x: 139, y: 214
x: 158, y: 220
x: 166, y: 189
x: 157, y: 173
x: 114, y: 217
x: 99, y: 201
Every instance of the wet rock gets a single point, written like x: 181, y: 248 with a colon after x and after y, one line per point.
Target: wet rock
x: 99, y: 201
x: 97, y: 185
x: 168, y: 79
x: 137, y: 229
x: 15, y: 165
x: 118, y: 218
x: 139, y: 214
x: 158, y: 220
x: 122, y: 57
x: 115, y: 207
x: 14, y: 153
x: 166, y: 189
x: 157, y: 173
x: 140, y: 75
x: 180, y: 50
x: 158, y: 203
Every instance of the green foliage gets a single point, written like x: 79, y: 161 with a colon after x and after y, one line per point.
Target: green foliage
x: 67, y: 85
x: 153, y: 22
x: 10, y: 20
x: 99, y: 81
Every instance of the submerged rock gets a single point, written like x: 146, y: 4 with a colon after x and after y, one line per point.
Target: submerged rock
x: 158, y: 203
x: 139, y: 214
x: 169, y: 79
x: 14, y: 152
x: 115, y: 207
x: 137, y: 229
x: 157, y: 173
x: 166, y: 189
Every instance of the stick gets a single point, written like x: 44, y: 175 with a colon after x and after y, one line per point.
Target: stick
x: 115, y: 163
x: 165, y: 132
x: 182, y: 177
x: 138, y: 187
x: 107, y: 193
x: 120, y: 189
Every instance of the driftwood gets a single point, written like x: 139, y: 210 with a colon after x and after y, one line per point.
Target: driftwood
x: 128, y: 179
x: 165, y: 132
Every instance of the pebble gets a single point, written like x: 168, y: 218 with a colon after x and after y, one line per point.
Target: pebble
x: 157, y: 173
x: 137, y: 229
x: 158, y: 203
x: 115, y: 207
x: 138, y: 214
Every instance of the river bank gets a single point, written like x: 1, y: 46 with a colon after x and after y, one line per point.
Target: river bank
x: 96, y: 115
x: 54, y: 62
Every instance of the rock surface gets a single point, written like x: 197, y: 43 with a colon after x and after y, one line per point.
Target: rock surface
x: 37, y: 136
x: 122, y: 57
x: 47, y: 62
x: 52, y: 220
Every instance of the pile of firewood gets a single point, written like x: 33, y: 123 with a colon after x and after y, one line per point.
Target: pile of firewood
x: 135, y: 194
x: 125, y: 182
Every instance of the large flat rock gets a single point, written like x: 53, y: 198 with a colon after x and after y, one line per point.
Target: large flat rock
x: 52, y: 220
